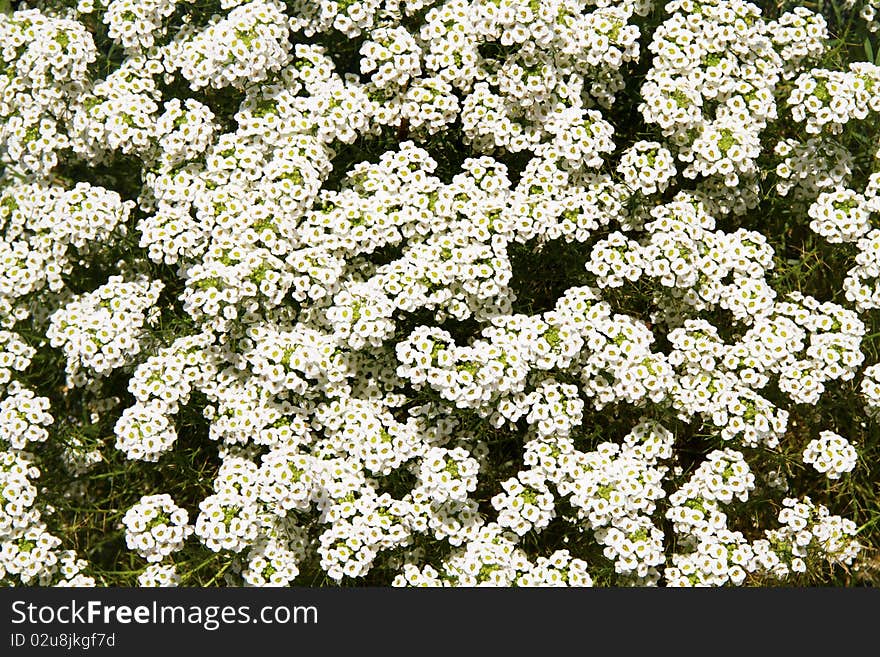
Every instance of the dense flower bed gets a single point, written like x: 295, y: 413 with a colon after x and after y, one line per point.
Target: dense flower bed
x: 450, y: 292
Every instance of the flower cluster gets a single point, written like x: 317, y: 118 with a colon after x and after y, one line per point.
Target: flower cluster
x: 811, y: 166
x: 45, y: 62
x: 647, y: 167
x: 525, y: 503
x: 840, y: 216
x: 245, y: 46
x: 156, y: 527
x: 227, y: 521
x: 827, y: 100
x: 23, y: 417
x: 831, y: 454
x: 100, y: 331
x: 136, y: 24
x: 809, y: 534
x: 28, y: 552
x: 159, y: 575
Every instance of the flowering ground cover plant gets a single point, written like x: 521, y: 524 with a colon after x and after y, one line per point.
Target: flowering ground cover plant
x: 442, y: 293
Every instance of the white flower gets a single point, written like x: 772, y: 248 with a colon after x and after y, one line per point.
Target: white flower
x: 831, y: 454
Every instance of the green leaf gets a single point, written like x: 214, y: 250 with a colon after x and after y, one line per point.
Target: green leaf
x: 6, y: 6
x: 869, y: 51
